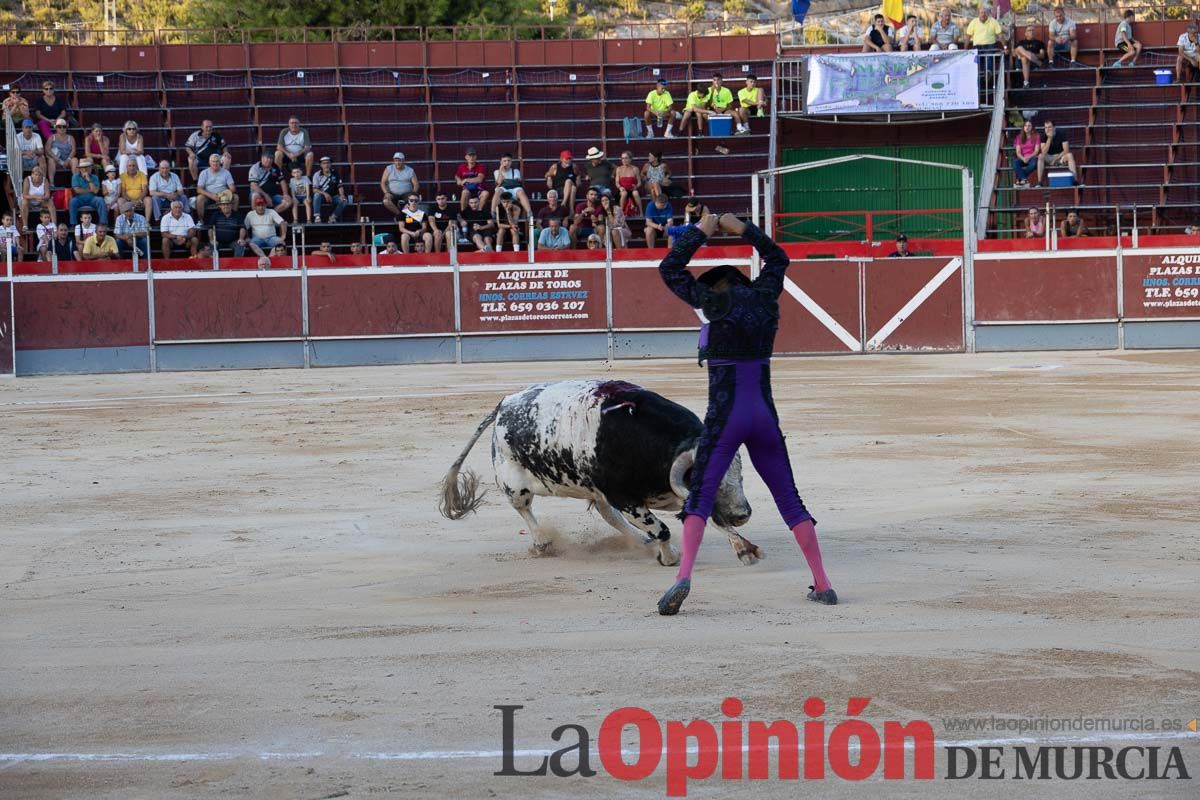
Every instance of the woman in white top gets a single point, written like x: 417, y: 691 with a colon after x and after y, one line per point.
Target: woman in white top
x: 35, y: 195
x: 508, y: 179
x: 130, y: 145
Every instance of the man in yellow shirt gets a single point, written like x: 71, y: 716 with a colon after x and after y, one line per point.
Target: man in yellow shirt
x: 135, y: 186
x: 749, y: 98
x: 100, y: 246
x: 722, y: 98
x: 660, y: 106
x: 984, y: 33
x: 697, y: 106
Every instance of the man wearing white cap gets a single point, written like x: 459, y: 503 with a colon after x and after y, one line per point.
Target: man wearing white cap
x: 599, y: 172
x: 398, y: 182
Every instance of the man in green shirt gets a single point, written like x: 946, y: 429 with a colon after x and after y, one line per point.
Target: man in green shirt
x: 722, y: 98
x: 660, y: 106
x: 697, y: 106
x: 749, y: 99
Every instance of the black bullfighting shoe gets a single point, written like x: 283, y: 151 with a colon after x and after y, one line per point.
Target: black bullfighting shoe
x: 669, y: 603
x: 827, y: 597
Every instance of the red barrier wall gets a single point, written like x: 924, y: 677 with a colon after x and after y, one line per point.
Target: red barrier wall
x: 377, y: 305
x: 227, y: 308
x: 642, y: 300
x: 833, y: 285
x: 545, y: 297
x: 1166, y: 285
x: 82, y: 313
x: 6, y: 331
x: 935, y: 324
x: 1043, y: 288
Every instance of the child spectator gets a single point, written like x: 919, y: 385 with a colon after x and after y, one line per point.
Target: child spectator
x: 45, y: 235
x: 659, y: 216
x: 1026, y: 152
x: 1126, y: 45
x: 628, y: 180
x: 111, y: 189
x: 10, y: 239
x: 85, y: 229
x: 301, y: 188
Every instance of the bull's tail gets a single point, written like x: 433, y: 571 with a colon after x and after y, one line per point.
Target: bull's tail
x: 461, y: 494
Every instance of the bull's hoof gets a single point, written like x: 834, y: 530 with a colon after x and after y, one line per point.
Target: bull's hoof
x: 825, y: 598
x: 751, y: 554
x: 672, y: 557
x: 670, y: 603
x: 542, y: 549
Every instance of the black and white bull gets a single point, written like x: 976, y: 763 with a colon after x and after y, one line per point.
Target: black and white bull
x: 625, y: 449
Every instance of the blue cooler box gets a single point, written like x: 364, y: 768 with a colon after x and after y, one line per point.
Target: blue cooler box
x: 720, y: 125
x: 1060, y: 180
x: 1162, y: 77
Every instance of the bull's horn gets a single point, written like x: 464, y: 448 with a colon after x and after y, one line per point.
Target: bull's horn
x: 683, y: 462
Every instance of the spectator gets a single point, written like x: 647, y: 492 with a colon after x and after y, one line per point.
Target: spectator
x: 661, y: 107
x: 327, y: 188
x: 301, y: 188
x: 694, y: 211
x: 390, y: 248
x: 86, y: 190
x: 1189, y: 55
x: 599, y: 171
x: 659, y: 217
x: 944, y: 34
x: 45, y: 235
x: 656, y: 175
x: 984, y: 33
x: 96, y: 146
x: 63, y: 246
x: 478, y: 225
x: 86, y: 227
x: 586, y: 214
x: 60, y: 150
x: 166, y: 188
x: 909, y: 34
x: 131, y: 231
x: 10, y: 239
x: 1027, y: 148
x: 178, y: 229
x: 508, y: 220
x: 214, y: 182
x: 750, y: 97
x: 1031, y: 51
x: 30, y: 145
x: 16, y: 105
x: 471, y: 177
x: 696, y: 107
x: 47, y: 109
x: 561, y: 178
x: 324, y: 254
x: 35, y: 197
x: 294, y: 147
x: 878, y: 37
x: 1072, y: 226
x: 398, y: 182
x: 100, y: 247
x: 554, y: 236
x: 1035, y: 224
x: 441, y: 223
x: 356, y: 248
x: 225, y: 229
x: 1126, y: 45
x: 267, y: 228
x: 278, y: 251
x: 594, y: 243
x: 614, y: 221
x: 131, y: 147
x: 203, y: 144
x: 553, y: 209
x: 203, y: 253
x: 267, y: 181
x: 508, y: 179
x: 135, y: 187
x: 1192, y: 230
x: 110, y: 189
x: 628, y: 181
x: 413, y: 226
x: 901, y: 250
x: 1056, y: 151
x: 720, y: 98
x: 1063, y: 38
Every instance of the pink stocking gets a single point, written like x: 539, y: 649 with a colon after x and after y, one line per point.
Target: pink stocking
x: 693, y: 532
x: 806, y: 536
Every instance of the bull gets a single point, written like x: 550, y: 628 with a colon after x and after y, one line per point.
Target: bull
x: 623, y: 448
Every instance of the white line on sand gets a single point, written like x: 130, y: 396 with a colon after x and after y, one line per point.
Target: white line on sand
x: 455, y: 755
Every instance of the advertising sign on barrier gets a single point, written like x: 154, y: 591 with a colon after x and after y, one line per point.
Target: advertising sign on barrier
x: 886, y: 83
x: 1166, y: 285
x: 537, y: 298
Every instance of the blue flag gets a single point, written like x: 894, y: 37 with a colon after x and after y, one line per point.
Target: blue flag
x: 800, y: 10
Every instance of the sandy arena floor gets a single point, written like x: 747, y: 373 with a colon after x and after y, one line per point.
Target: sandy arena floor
x: 245, y: 574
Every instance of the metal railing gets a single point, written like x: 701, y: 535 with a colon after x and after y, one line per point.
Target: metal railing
x: 1119, y: 219
x: 867, y: 226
